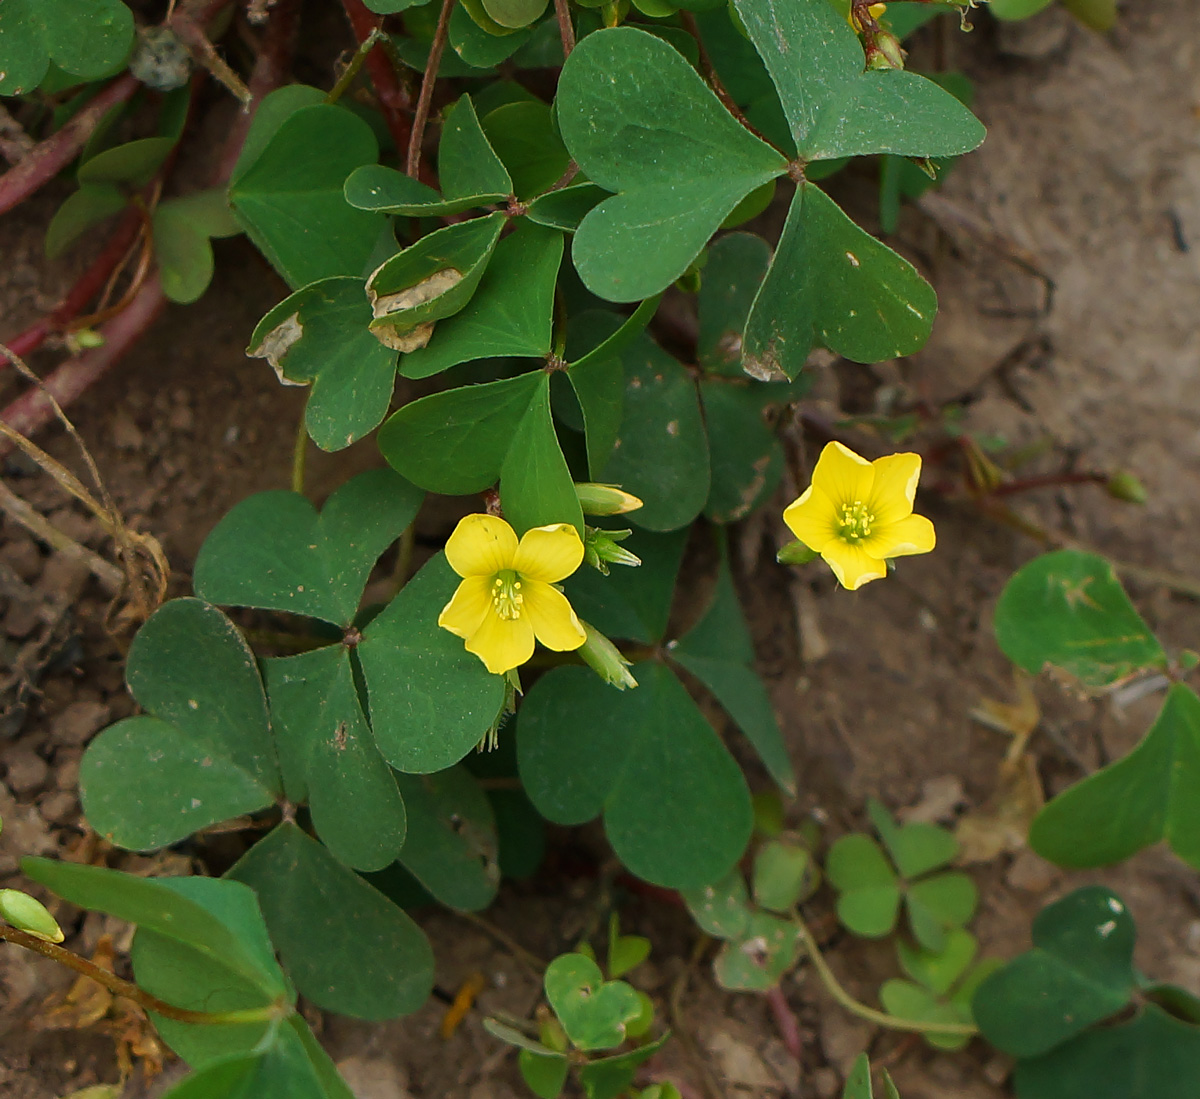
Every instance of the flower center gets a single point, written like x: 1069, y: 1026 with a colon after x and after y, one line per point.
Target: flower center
x: 855, y: 523
x: 506, y: 594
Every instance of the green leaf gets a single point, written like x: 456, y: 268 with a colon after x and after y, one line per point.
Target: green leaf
x: 433, y: 278
x: 390, y: 7
x: 387, y: 191
x: 756, y: 961
x: 639, y: 120
x: 938, y: 904
x: 648, y: 760
x: 454, y: 443
x: 467, y: 163
x: 546, y: 1076
x: 476, y: 46
x: 939, y: 971
x: 525, y: 139
x: 88, y: 206
x: 514, y: 13
x: 348, y: 948
x: 430, y: 700
x: 1017, y: 9
x: 910, y: 1001
x: 204, y: 756
x: 275, y: 109
x: 86, y: 38
x: 781, y: 873
x: 1148, y: 796
x: 632, y: 603
x: 625, y: 952
x: 133, y: 163
x: 324, y: 738
x: 511, y: 312
x: 321, y: 336
x: 536, y: 487
x: 1067, y: 609
x: 661, y: 452
x: 858, y: 1083
x: 451, y: 847
x: 915, y: 848
x: 718, y: 651
x: 1079, y: 972
x: 289, y: 199
x: 608, y: 1077
x: 737, y: 264
x: 721, y: 909
x: 869, y: 894
x: 566, y: 208
x: 835, y: 108
x: 592, y: 1011
x: 833, y: 285
x: 746, y: 456
x: 606, y: 338
x: 1151, y: 1054
x: 183, y: 231
x: 274, y: 551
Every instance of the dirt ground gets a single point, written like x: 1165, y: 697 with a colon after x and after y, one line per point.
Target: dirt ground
x: 1092, y: 172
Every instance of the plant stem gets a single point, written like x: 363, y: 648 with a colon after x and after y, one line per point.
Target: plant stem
x: 300, y: 457
x: 710, y: 74
x: 130, y: 991
x: 562, y: 10
x: 393, y: 98
x: 432, y: 64
x: 879, y: 1018
x: 51, y: 156
x: 356, y: 63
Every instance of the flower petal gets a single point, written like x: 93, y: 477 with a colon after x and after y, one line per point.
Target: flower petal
x: 852, y: 565
x: 549, y: 553
x: 554, y: 622
x: 812, y: 518
x: 912, y: 534
x: 464, y: 614
x: 502, y: 643
x: 895, y: 487
x: 481, y: 545
x: 843, y: 476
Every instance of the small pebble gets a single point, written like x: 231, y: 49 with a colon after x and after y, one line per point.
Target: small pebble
x: 77, y: 723
x: 60, y: 807
x: 25, y: 770
x: 22, y: 555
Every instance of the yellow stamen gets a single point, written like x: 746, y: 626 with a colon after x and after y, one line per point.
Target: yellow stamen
x: 855, y: 523
x: 506, y: 594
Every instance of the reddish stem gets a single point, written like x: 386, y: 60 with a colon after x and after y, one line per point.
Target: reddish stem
x: 421, y: 117
x: 785, y: 1021
x: 51, y: 156
x: 1050, y: 480
x: 393, y: 97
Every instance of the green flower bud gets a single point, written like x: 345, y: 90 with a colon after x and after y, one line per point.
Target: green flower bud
x: 605, y: 659
x: 1125, y: 486
x: 605, y: 499
x: 796, y: 553
x: 600, y: 549
x: 885, y: 52
x: 29, y: 915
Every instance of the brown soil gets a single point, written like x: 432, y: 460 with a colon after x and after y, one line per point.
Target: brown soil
x: 1091, y: 168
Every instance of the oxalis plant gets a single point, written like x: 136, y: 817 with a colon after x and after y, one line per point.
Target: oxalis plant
x: 379, y: 754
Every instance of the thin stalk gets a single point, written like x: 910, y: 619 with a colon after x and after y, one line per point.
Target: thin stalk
x: 300, y: 457
x: 425, y: 99
x: 119, y: 987
x: 393, y: 97
x: 879, y: 1018
x: 562, y: 10
x: 356, y: 63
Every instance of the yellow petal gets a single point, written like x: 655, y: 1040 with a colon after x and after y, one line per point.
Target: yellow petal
x: 463, y: 615
x: 502, y: 643
x: 554, y: 622
x: 481, y: 545
x: 852, y: 565
x: 549, y: 553
x: 812, y: 518
x: 843, y: 476
x: 895, y: 487
x: 912, y: 534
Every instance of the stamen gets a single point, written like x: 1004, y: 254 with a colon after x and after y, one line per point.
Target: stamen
x: 856, y: 521
x: 506, y: 595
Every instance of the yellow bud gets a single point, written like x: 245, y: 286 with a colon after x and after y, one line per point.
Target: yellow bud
x: 605, y: 499
x: 29, y: 915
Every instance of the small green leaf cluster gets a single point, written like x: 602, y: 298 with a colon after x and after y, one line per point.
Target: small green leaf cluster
x: 59, y: 43
x: 588, y: 1015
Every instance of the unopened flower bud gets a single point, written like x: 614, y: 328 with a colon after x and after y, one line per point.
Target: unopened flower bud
x: 600, y: 549
x: 605, y: 659
x: 1125, y: 486
x: 796, y: 553
x: 605, y: 499
x: 885, y: 52
x: 29, y: 915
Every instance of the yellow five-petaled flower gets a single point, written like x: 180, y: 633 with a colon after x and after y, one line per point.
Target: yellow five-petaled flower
x: 506, y: 597
x: 858, y: 514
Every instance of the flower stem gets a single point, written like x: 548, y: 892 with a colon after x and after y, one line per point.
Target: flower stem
x: 432, y: 64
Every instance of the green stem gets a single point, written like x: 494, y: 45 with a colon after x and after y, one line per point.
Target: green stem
x: 356, y: 63
x: 879, y: 1018
x: 130, y: 991
x: 300, y: 457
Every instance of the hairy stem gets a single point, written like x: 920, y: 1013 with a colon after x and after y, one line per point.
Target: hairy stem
x: 130, y: 991
x: 710, y: 74
x: 562, y: 10
x: 393, y: 97
x: 432, y: 64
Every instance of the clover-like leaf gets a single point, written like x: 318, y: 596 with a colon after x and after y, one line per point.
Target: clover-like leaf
x: 625, y: 952
x: 479, y: 47
x: 1079, y: 972
x: 184, y: 229
x: 526, y: 140
x: 545, y: 1074
x: 647, y: 759
x: 916, y: 847
x: 346, y: 947
x: 609, y: 1077
x: 1068, y: 610
x: 593, y: 1012
x: 640, y: 121
x: 566, y: 208
x: 1148, y: 796
x: 782, y: 873
x: 202, y: 753
x: 757, y: 959
x: 86, y: 38
x: 745, y: 456
x: 321, y: 336
x: 737, y: 265
x: 273, y: 550
x: 833, y: 285
x: 868, y: 889
x: 721, y: 909
x: 837, y: 109
x: 289, y: 197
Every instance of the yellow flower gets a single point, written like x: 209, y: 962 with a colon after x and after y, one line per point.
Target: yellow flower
x: 858, y: 514
x: 506, y: 598
x: 875, y: 10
